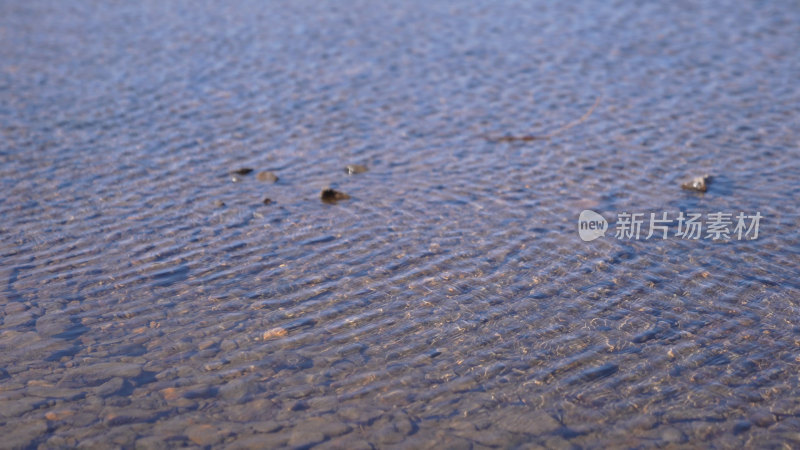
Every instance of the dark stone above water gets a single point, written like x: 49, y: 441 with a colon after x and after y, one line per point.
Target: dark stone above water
x: 329, y: 195
x: 267, y: 201
x: 699, y: 184
x: 242, y: 171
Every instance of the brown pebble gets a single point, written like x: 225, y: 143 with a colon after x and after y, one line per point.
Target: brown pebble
x: 331, y: 195
x: 352, y: 169
x: 58, y: 415
x: 266, y: 201
x: 242, y: 171
x: 205, y: 435
x: 699, y: 184
x: 268, y: 177
x: 170, y: 393
x: 274, y: 333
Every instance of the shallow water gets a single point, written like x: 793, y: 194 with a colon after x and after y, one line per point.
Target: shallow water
x: 448, y: 303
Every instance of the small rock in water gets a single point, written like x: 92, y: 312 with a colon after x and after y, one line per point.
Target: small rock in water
x: 274, y: 333
x: 268, y: 177
x: 674, y: 435
x: 332, y: 195
x: 204, y: 435
x: 219, y: 203
x: 741, y: 426
x: 352, y: 169
x: 267, y: 201
x: 303, y: 439
x: 699, y: 184
x: 242, y: 171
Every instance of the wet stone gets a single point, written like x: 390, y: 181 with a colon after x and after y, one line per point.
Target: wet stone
x: 60, y: 325
x: 18, y: 407
x: 228, y: 345
x: 82, y: 419
x: 238, y: 390
x: 643, y: 422
x: 443, y: 440
x: 116, y: 400
x: 267, y: 177
x: 324, y: 403
x: 18, y: 319
x: 389, y: 434
x: 14, y: 307
x: 702, y: 430
x: 95, y: 374
x: 219, y: 203
x: 463, y: 384
x: 291, y: 408
x: 353, y: 169
x: 274, y: 333
x: 347, y: 442
x: 522, y: 420
x: 699, y: 184
x: 359, y: 414
x: 241, y: 171
x: 24, y: 435
x: 328, y: 425
x: 268, y: 426
x: 58, y: 414
x: 111, y: 387
x: 463, y: 426
x: 599, y: 372
x: 329, y: 195
x: 125, y: 416
x: 492, y: 437
x: 672, y: 435
x: 205, y: 434
x: 304, y: 438
x: 60, y: 442
x: 152, y: 443
x: 396, y: 397
x: 741, y: 426
x: 393, y: 428
x: 266, y: 201
x: 762, y: 418
x: 61, y: 393
x: 200, y: 392
x: 259, y: 409
x: 207, y: 343
x: 261, y: 441
x: 558, y: 443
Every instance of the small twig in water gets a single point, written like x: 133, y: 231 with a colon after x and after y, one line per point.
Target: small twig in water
x: 533, y: 137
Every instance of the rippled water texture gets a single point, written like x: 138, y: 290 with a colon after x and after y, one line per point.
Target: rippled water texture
x: 449, y: 302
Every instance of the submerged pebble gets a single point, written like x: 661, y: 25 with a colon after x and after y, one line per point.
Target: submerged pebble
x: 352, y: 169
x: 274, y: 333
x: 267, y: 177
x: 699, y: 184
x: 332, y: 195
